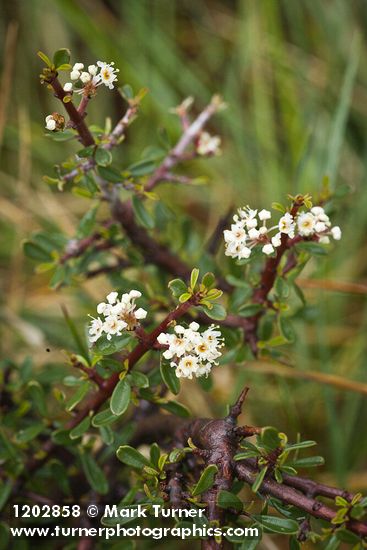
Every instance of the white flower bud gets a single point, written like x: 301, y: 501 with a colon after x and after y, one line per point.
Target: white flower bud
x: 74, y: 75
x: 112, y: 297
x: 264, y: 215
x: 140, y: 313
x: 92, y: 69
x: 268, y: 249
x: 50, y: 123
x: 85, y: 77
x: 78, y: 66
x: 336, y: 233
x: 253, y: 233
x: 68, y: 87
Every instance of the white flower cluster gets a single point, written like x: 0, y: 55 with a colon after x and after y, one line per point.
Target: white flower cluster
x: 101, y: 73
x: 208, y: 145
x: 192, y: 352
x: 249, y: 229
x: 118, y: 315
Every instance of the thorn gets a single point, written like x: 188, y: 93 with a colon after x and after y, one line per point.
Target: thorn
x: 246, y: 431
x: 236, y: 409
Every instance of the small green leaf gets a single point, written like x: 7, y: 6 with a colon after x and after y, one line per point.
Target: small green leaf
x: 206, y: 480
x: 300, y: 445
x: 130, y: 456
x: 184, y: 297
x: 278, y: 206
x: 250, y: 309
x: 227, y: 499
x: 208, y: 280
x: 141, y: 213
x: 194, y: 277
x: 38, y: 397
x: 93, y: 472
x: 155, y: 454
x: 87, y: 223
x: 312, y: 248
x: 176, y: 408
x: 61, y: 57
x: 120, y: 398
x: 104, y: 418
x: 36, y: 252
x: 259, y: 479
x: 177, y: 287
x: 139, y: 379
x: 103, y: 157
x: 110, y: 174
x: 107, y: 435
x: 269, y: 438
x: 309, y: 462
x: 141, y: 168
x: 169, y: 377
x: 26, y: 435
x: 216, y: 312
x: 80, y: 429
x: 286, y: 329
x: 64, y: 67
x: 127, y: 92
x: 78, y: 396
x: 278, y: 525
x: 5, y: 491
x: 45, y: 58
x: 107, y: 347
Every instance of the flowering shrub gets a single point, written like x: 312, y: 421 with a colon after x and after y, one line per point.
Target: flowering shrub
x: 156, y: 327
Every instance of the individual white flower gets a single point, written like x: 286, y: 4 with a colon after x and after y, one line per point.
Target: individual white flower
x: 95, y: 329
x: 276, y: 240
x: 113, y: 326
x: 50, y: 123
x: 85, y: 77
x: 306, y: 224
x: 107, y: 74
x: 264, y: 215
x: 268, y: 249
x: 336, y: 233
x: 286, y: 224
x: 68, y: 87
x: 78, y: 66
x: 263, y: 230
x: 75, y: 75
x: 92, y: 70
x: 324, y: 239
x: 208, y: 145
x: 187, y: 367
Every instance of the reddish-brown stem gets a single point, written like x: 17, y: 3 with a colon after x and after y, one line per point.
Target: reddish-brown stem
x: 289, y: 495
x: 75, y: 116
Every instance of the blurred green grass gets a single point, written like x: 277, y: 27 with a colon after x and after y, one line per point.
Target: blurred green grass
x: 294, y: 77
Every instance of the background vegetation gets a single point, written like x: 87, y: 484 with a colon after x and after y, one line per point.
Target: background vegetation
x: 294, y: 76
